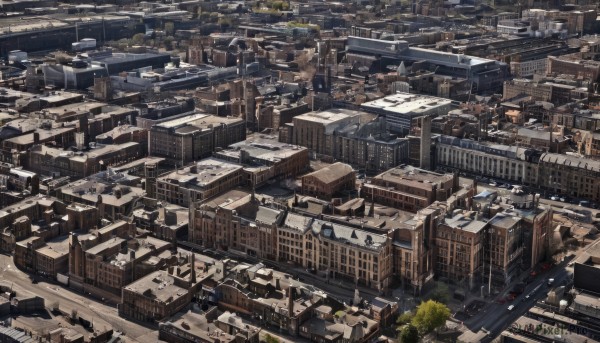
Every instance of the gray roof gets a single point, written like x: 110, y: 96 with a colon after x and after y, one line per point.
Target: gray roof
x: 349, y: 235
x: 267, y: 215
x: 571, y: 161
x: 459, y: 221
x: 504, y: 220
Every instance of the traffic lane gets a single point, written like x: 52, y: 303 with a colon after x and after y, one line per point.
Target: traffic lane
x: 491, y: 313
x: 523, y: 304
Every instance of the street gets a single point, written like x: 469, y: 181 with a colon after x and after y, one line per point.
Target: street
x: 495, y: 317
x: 101, y: 313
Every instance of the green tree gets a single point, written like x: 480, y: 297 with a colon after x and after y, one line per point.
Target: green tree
x: 441, y: 293
x: 405, y: 318
x: 409, y: 334
x: 430, y: 316
x: 270, y: 339
x: 138, y: 39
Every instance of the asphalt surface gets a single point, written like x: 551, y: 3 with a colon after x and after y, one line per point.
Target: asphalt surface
x: 495, y: 317
x: 101, y: 313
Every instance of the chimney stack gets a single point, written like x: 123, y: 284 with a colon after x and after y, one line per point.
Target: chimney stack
x: 193, y: 267
x: 291, y: 301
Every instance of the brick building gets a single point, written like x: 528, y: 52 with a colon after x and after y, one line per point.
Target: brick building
x: 409, y: 188
x: 201, y: 181
x: 193, y: 137
x: 330, y: 181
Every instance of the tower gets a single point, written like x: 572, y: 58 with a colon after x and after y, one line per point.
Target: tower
x: 425, y: 149
x: 151, y: 172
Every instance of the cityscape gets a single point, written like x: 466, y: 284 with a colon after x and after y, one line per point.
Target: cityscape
x: 277, y: 171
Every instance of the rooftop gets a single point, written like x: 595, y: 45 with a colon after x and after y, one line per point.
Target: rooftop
x: 159, y: 286
x: 331, y: 172
x: 349, y: 235
x: 328, y: 116
x: 462, y: 222
x: 415, y: 177
x: 202, y: 173
x: 406, y: 103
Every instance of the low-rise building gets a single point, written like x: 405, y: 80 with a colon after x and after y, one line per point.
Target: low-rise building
x: 192, y: 137
x: 401, y: 109
x: 265, y: 159
x: 163, y: 293
x: 52, y: 161
x: 570, y: 175
x: 409, y: 188
x: 330, y: 181
x: 459, y: 243
x: 487, y: 159
x: 198, y: 182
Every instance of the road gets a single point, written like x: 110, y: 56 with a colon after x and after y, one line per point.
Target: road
x: 101, y: 313
x: 495, y: 317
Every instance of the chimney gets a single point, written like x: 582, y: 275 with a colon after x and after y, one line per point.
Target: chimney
x: 277, y: 284
x: 291, y: 290
x: 132, y: 254
x: 193, y: 267
x: 36, y: 138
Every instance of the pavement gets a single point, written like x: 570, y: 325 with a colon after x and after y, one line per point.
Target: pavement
x: 495, y: 317
x: 102, y: 314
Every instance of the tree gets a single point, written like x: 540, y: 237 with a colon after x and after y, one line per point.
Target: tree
x: 409, y: 334
x: 405, y: 318
x: 270, y: 339
x: 441, y: 293
x: 138, y: 39
x: 430, y: 315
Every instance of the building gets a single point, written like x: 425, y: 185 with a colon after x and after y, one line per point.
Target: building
x: 52, y: 161
x: 511, y: 163
x: 193, y: 137
x: 109, y: 264
x: 112, y: 200
x: 459, y: 242
x: 201, y: 181
x: 169, y: 223
x: 409, y: 188
x: 313, y: 130
x: 369, y: 146
x: 504, y: 248
x: 265, y: 159
x: 208, y: 327
x: 574, y: 65
x: 330, y: 181
x: 400, y: 109
x: 236, y: 221
x: 514, y: 27
x: 538, y: 91
x: 485, y: 75
x: 528, y: 68
x: 161, y: 294
x: 570, y: 175
x: 53, y: 257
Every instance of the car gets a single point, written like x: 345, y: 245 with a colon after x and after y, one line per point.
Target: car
x: 550, y: 282
x: 562, y: 199
x: 554, y: 198
x: 511, y: 307
x: 493, y: 183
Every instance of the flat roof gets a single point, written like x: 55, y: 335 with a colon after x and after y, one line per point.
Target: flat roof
x: 328, y: 116
x: 407, y: 103
x: 158, y: 285
x: 202, y: 173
